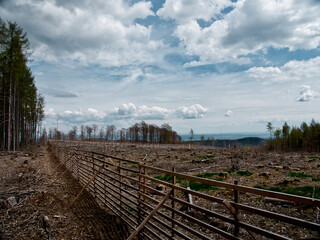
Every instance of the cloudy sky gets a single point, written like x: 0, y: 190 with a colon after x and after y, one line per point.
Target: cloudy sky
x: 210, y: 65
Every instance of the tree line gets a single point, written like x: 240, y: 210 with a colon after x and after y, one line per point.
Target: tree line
x: 303, y: 138
x: 139, y: 132
x: 21, y: 108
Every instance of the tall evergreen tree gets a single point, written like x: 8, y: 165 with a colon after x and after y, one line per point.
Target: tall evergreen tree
x: 21, y: 107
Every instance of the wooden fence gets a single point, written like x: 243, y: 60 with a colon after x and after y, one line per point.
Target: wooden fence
x: 132, y: 189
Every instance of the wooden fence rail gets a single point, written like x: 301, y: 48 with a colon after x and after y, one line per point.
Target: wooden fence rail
x: 132, y: 190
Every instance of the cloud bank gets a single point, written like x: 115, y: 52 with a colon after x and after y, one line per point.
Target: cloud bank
x: 127, y: 112
x: 193, y: 111
x: 103, y: 32
x: 246, y: 27
x: 291, y: 71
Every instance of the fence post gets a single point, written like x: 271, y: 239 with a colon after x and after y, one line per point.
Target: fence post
x: 236, y: 218
x: 78, y: 166
x: 144, y: 180
x: 120, y: 185
x: 94, y: 180
x: 139, y: 202
x: 172, y: 201
x: 144, y: 188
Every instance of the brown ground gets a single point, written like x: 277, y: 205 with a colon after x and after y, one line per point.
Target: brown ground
x: 41, y: 211
x: 26, y: 176
x: 266, y: 169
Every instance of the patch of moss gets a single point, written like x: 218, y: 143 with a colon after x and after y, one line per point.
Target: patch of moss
x: 244, y: 173
x: 316, y: 179
x: 197, y: 186
x: 167, y: 178
x: 220, y: 179
x: 230, y: 171
x: 183, y: 159
x: 194, y: 185
x: 206, y: 175
x: 299, y: 175
x: 305, y: 191
x: 207, y: 157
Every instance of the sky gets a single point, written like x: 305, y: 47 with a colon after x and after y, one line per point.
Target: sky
x: 210, y: 65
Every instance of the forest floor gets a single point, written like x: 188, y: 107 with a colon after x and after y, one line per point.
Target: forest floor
x: 33, y: 208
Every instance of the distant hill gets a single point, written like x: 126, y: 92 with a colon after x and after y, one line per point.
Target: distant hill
x: 242, y: 142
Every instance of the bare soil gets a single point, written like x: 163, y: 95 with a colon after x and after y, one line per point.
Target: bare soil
x: 254, y: 167
x: 31, y: 208
x: 41, y: 210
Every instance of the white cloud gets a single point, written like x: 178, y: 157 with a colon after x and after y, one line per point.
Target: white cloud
x: 252, y: 26
x: 102, y: 32
x: 185, y: 10
x: 228, y: 113
x: 291, y: 71
x: 130, y: 111
x: 126, y: 109
x: 95, y: 113
x: 193, y: 111
x: 75, y: 117
x: 306, y: 94
x: 155, y: 112
x: 49, y: 112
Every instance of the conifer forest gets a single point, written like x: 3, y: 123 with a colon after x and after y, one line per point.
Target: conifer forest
x: 21, y: 107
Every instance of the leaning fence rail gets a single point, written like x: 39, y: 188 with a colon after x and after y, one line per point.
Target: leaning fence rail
x: 130, y: 190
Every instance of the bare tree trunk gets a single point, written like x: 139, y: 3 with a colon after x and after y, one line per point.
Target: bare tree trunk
x: 14, y: 118
x: 9, y: 110
x: 4, y: 116
x: 10, y: 93
x: 18, y: 130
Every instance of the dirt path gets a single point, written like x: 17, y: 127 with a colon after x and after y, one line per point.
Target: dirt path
x: 38, y: 210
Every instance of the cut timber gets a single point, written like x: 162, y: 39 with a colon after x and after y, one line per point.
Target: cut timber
x: 295, y: 169
x: 189, y: 199
x: 230, y: 207
x: 277, y: 167
x: 12, y: 201
x: 189, y: 196
x: 135, y: 232
x: 84, y: 187
x: 46, y: 226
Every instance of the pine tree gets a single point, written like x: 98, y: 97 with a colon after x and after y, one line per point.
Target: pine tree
x: 21, y: 107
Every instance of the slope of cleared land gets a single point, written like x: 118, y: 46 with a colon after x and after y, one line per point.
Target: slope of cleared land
x: 26, y: 177
x: 31, y: 208
x: 293, y: 173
